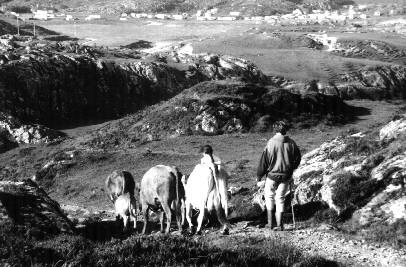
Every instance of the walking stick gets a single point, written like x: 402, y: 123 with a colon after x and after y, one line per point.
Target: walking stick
x: 291, y: 204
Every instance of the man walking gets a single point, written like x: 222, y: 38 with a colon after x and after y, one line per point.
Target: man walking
x: 279, y: 159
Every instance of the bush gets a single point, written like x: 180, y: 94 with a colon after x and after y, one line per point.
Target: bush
x: 17, y: 249
x: 382, y: 232
x: 351, y: 192
x: 394, y: 234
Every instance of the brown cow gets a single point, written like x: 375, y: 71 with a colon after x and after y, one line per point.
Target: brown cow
x: 161, y: 188
x: 119, y: 183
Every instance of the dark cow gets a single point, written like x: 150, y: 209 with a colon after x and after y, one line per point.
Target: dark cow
x: 119, y: 183
x: 162, y: 189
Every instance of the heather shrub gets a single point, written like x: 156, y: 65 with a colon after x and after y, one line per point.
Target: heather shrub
x: 351, y: 192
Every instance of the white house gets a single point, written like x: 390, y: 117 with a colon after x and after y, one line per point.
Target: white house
x: 41, y: 14
x: 162, y: 16
x: 92, y: 17
x: 179, y: 17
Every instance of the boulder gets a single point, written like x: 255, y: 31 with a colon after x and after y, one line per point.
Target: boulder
x: 393, y: 129
x: 25, y: 203
x: 386, y: 207
x: 348, y: 178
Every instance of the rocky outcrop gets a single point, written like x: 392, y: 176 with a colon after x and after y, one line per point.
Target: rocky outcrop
x: 393, y: 129
x: 363, y: 172
x: 18, y: 132
x: 27, y: 204
x: 221, y: 107
x: 60, y: 84
x: 6, y: 141
x: 49, y: 171
x: 377, y: 83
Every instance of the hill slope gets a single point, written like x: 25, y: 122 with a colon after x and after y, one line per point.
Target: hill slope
x: 247, y: 7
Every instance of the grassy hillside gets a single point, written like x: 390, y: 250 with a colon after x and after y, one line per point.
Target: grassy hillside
x: 247, y: 7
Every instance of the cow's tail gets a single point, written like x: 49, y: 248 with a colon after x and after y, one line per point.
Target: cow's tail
x: 176, y: 173
x: 222, y: 184
x: 216, y: 183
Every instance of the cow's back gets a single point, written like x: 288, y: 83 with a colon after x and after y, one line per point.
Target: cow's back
x: 158, y: 183
x: 199, y: 185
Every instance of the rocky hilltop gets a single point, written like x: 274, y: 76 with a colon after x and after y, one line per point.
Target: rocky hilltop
x: 218, y: 107
x: 61, y: 84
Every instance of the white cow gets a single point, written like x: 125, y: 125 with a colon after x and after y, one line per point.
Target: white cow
x: 203, y: 191
x: 125, y: 207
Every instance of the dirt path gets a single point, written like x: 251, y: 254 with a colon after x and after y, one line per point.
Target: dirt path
x: 322, y: 241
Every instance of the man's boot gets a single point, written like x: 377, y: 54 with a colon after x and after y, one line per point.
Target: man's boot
x: 279, y: 221
x: 270, y: 223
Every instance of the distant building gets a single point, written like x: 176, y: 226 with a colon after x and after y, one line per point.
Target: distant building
x: 92, y: 17
x: 162, y: 16
x: 180, y: 17
x: 41, y: 14
x: 377, y: 13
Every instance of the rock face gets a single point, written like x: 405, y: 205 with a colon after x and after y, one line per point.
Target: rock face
x: 218, y: 107
x: 363, y: 172
x: 57, y: 84
x: 6, y: 141
x: 380, y: 82
x: 61, y: 161
x: 393, y: 129
x: 16, y: 132
x: 27, y: 204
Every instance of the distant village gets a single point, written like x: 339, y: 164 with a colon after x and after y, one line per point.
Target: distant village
x: 297, y: 17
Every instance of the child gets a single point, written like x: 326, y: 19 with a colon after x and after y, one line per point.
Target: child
x: 209, y: 159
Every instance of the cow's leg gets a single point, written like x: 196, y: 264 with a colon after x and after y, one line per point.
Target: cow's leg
x: 145, y: 215
x: 189, y: 215
x: 167, y: 208
x: 161, y: 220
x: 179, y: 212
x: 125, y: 220
x: 200, y: 219
x: 183, y: 212
x: 133, y: 218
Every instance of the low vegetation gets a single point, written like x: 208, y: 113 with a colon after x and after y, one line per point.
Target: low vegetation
x: 18, y: 249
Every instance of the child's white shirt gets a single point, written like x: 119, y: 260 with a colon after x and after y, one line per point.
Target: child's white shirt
x: 206, y: 159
